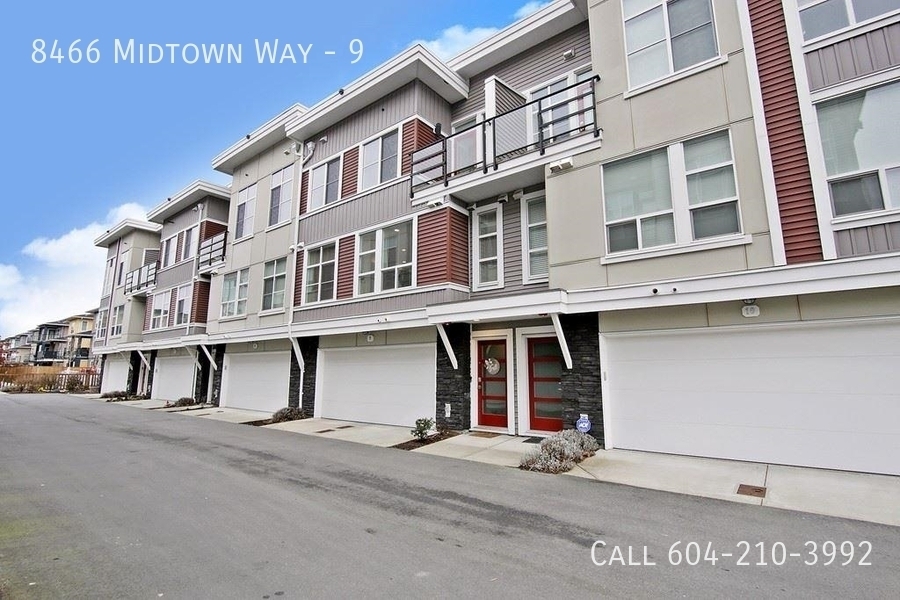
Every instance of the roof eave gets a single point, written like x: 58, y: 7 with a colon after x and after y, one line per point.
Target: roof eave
x: 186, y: 198
x: 265, y: 136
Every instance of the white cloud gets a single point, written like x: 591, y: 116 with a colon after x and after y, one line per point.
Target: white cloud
x: 455, y: 39
x: 530, y: 8
x: 63, y: 278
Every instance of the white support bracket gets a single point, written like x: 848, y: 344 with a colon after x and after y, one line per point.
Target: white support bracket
x: 212, y: 362
x: 567, y: 357
x: 299, y: 355
x: 443, y: 333
x: 144, y: 359
x: 195, y: 354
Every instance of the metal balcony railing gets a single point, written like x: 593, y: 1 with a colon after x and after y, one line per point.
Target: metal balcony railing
x: 532, y: 127
x: 212, y: 250
x: 140, y: 279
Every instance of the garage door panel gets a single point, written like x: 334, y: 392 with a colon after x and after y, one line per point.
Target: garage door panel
x: 256, y: 381
x: 173, y: 378
x: 821, y: 395
x: 115, y: 375
x: 391, y: 385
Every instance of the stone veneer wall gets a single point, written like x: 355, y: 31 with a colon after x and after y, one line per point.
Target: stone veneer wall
x: 454, y: 385
x: 309, y: 348
x: 581, y: 384
x: 219, y: 354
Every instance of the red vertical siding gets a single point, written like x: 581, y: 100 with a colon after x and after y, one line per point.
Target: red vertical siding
x: 147, y: 312
x: 443, y: 248
x: 179, y: 246
x: 304, y: 191
x: 200, y: 302
x: 346, y: 260
x: 459, y: 248
x: 416, y: 135
x: 298, y: 279
x: 793, y: 183
x: 210, y: 229
x: 350, y: 172
x: 173, y: 302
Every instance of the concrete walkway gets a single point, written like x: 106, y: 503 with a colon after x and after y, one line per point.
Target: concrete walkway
x: 229, y: 415
x: 361, y: 433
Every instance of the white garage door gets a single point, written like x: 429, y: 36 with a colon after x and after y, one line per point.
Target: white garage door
x: 115, y: 375
x: 814, y: 395
x: 256, y: 381
x: 391, y: 385
x: 173, y: 377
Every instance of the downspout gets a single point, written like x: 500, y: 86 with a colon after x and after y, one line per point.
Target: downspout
x: 296, y: 248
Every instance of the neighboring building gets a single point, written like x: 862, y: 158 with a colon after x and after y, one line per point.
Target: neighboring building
x: 49, y: 343
x: 80, y: 336
x: 19, y: 349
x: 6, y: 345
x: 679, y: 218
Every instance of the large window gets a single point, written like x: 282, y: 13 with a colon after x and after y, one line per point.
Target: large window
x: 101, y: 324
x: 320, y: 270
x: 280, y: 198
x: 534, y: 242
x: 326, y: 180
x: 821, y: 17
x: 643, y: 210
x: 109, y: 276
x: 487, y: 248
x: 246, y: 207
x: 189, y: 243
x: 862, y: 149
x: 183, y: 305
x: 118, y: 317
x: 159, y: 318
x: 273, y: 284
x: 666, y: 36
x: 379, y: 160
x: 169, y: 246
x: 385, y: 259
x: 234, y: 293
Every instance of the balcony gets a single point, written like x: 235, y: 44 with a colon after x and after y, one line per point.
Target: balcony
x: 212, y: 250
x: 140, y: 279
x: 533, y: 127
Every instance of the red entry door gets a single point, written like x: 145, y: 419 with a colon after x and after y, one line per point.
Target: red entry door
x: 492, y: 376
x: 545, y: 365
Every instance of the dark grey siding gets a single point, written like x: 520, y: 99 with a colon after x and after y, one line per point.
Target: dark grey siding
x: 431, y: 107
x: 530, y: 68
x: 508, y: 99
x: 180, y: 274
x: 383, y: 205
x: 379, y: 305
x: 860, y: 55
x: 874, y: 239
x: 216, y: 209
x: 173, y: 334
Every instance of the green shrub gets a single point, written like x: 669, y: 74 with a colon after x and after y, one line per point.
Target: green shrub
x: 560, y: 452
x: 289, y: 413
x: 423, y: 428
x: 73, y: 385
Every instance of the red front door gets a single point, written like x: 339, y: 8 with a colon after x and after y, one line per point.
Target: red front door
x: 545, y: 365
x: 492, y: 374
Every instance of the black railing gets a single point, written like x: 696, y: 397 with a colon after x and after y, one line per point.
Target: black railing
x: 212, y: 250
x: 534, y: 126
x: 140, y: 279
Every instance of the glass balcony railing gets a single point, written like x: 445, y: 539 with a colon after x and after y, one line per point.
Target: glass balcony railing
x: 533, y: 127
x: 212, y: 250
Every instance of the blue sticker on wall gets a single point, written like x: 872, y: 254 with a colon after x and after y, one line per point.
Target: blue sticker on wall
x: 583, y: 424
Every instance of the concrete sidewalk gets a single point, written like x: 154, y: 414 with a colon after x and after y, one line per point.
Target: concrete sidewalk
x: 361, y: 433
x: 229, y: 415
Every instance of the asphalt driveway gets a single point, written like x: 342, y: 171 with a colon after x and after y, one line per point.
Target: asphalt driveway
x: 99, y: 500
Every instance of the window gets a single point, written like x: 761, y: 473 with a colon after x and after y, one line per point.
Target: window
x: 168, y: 251
x: 189, y: 243
x: 101, y: 324
x: 234, y: 293
x: 273, y: 284
x: 280, y: 198
x: 464, y: 150
x: 862, y: 149
x: 535, y: 239
x: 84, y: 325
x: 245, y: 209
x: 183, y: 305
x: 488, y: 248
x: 379, y: 160
x: 666, y: 36
x: 643, y: 210
x: 108, y: 276
x: 320, y: 274
x: 558, y: 104
x: 120, y: 280
x: 821, y: 17
x: 118, y: 317
x: 325, y: 182
x: 160, y: 316
x: 393, y: 270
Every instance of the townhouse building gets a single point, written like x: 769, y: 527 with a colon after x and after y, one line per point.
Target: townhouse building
x: 78, y: 340
x: 49, y: 343
x: 678, y: 218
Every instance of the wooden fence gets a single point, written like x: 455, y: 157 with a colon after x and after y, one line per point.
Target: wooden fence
x: 47, y: 379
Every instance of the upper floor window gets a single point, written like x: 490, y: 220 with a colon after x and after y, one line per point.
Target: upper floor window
x: 487, y: 248
x: 379, y: 160
x: 108, y: 276
x: 159, y: 318
x: 667, y: 36
x: 274, y: 278
x: 534, y: 242
x: 84, y: 325
x: 280, y: 198
x: 101, y: 324
x: 385, y: 259
x: 234, y: 293
x: 862, y: 149
x: 320, y: 270
x: 560, y: 100
x: 821, y: 17
x: 245, y: 209
x: 120, y: 279
x: 115, y: 323
x: 183, y: 305
x: 644, y: 210
x: 169, y: 247
x: 325, y: 183
x: 189, y: 243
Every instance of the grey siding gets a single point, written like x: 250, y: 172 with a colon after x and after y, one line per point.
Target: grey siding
x: 379, y: 305
x: 385, y: 204
x: 216, y: 209
x: 172, y: 334
x: 179, y: 222
x: 508, y: 99
x: 861, y: 55
x: 874, y: 239
x: 431, y: 107
x: 178, y: 275
x: 528, y: 69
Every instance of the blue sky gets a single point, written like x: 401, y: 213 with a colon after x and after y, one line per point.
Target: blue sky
x: 89, y: 144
